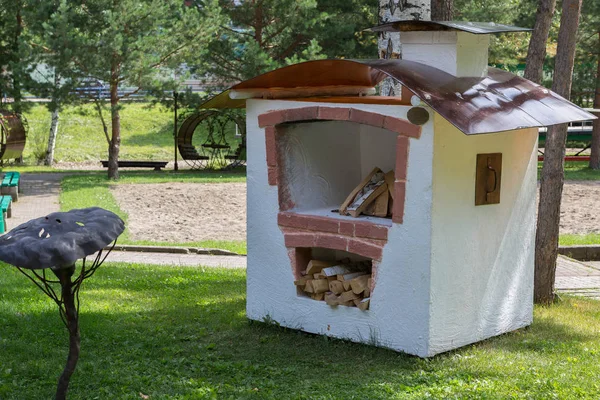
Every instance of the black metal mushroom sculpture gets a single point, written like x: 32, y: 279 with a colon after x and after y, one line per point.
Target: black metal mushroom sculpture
x: 56, y: 242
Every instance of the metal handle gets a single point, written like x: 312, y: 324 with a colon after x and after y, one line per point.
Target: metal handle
x: 490, y: 168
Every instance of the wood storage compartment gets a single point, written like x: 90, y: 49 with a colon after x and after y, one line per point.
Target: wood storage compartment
x: 337, y: 278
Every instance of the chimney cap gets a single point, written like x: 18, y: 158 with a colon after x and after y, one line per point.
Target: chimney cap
x: 478, y: 28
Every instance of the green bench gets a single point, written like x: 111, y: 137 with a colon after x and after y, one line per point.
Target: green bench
x: 5, y: 206
x: 10, y: 185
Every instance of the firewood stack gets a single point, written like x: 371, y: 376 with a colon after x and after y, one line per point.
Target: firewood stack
x: 373, y: 196
x: 341, y: 283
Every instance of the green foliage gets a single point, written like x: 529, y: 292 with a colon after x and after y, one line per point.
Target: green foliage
x: 15, y: 51
x: 587, y: 57
x: 181, y: 333
x: 264, y: 35
x: 507, y: 49
x: 129, y: 41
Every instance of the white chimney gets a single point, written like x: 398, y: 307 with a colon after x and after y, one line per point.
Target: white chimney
x: 458, y: 53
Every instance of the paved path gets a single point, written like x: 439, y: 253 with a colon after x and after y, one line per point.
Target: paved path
x: 579, y: 278
x: 178, y: 259
x: 38, y: 197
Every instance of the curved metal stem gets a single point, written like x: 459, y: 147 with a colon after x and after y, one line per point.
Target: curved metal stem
x: 72, y: 319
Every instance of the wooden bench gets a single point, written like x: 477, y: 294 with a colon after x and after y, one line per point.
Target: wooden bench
x: 157, y: 165
x: 10, y: 185
x: 6, y: 208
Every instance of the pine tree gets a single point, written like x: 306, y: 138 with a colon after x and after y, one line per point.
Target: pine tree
x: 263, y: 35
x: 128, y: 42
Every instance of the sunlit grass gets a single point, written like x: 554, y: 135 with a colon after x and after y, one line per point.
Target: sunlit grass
x: 181, y: 333
x: 572, y: 239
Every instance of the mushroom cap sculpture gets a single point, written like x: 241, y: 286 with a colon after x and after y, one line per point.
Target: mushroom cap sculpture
x: 59, y: 239
x: 56, y: 242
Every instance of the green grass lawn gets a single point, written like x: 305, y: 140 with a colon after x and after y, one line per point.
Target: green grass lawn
x: 576, y: 171
x: 92, y: 189
x: 146, y: 133
x: 181, y: 333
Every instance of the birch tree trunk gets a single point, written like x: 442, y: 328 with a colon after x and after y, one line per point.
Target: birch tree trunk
x: 389, y: 42
x: 595, y: 155
x: 537, y: 44
x: 52, y: 138
x: 115, y: 140
x: 546, y: 241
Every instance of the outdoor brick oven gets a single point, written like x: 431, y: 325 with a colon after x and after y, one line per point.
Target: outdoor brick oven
x: 450, y: 261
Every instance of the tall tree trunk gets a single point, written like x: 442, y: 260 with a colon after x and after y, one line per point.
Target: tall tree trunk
x: 389, y: 42
x: 115, y: 140
x: 54, y: 123
x: 52, y: 137
x: 17, y: 68
x: 442, y: 10
x: 537, y: 44
x: 546, y: 241
x: 595, y: 155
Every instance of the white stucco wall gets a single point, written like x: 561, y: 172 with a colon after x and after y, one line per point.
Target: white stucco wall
x: 482, y: 257
x: 399, y: 312
x: 458, y: 53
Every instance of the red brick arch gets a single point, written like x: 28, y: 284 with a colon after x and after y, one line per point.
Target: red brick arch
x: 405, y: 130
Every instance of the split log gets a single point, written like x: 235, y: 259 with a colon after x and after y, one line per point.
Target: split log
x: 301, y: 282
x: 370, y: 195
x: 359, y: 284
x: 317, y: 296
x: 350, y: 276
x: 390, y: 178
x: 379, y: 207
x: 336, y: 286
x: 367, y: 292
x: 331, y: 299
x: 336, y: 270
x: 348, y: 296
x: 320, y: 285
x: 364, y: 304
x: 349, y: 303
x: 308, y: 287
x: 315, y: 266
x: 364, y: 194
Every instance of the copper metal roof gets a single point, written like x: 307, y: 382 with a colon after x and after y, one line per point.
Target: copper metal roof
x: 498, y: 102
x: 477, y: 28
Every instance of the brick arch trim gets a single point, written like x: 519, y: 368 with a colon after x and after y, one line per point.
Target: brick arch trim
x: 405, y: 130
x: 320, y: 113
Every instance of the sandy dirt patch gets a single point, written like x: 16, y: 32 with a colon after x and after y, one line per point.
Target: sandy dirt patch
x: 184, y: 212
x: 580, y: 207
